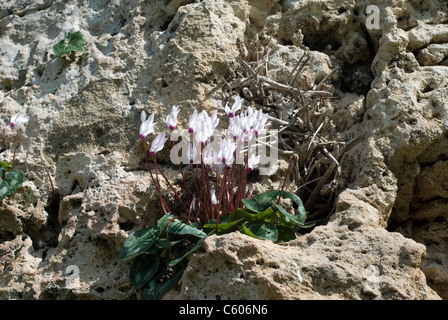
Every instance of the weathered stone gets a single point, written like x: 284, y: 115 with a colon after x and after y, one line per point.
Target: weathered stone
x: 329, y: 263
x: 389, y: 104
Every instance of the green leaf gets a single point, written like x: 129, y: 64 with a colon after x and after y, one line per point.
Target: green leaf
x: 265, y: 215
x: 180, y: 227
x: 75, y: 41
x: 139, y: 242
x: 176, y: 226
x: 300, y: 207
x: 261, y: 202
x: 184, y: 254
x: 222, y: 226
x: 155, y: 289
x: 285, y: 233
x: 162, y: 242
x: 9, y: 181
x: 6, y: 165
x: 287, y: 218
x: 261, y: 230
x: 163, y: 222
x: 143, y: 269
x: 244, y: 214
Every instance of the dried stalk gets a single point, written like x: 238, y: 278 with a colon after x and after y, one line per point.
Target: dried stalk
x: 295, y: 113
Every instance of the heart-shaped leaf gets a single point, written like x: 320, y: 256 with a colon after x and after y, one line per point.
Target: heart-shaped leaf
x: 261, y: 202
x: 285, y: 233
x: 261, y: 230
x: 287, y: 218
x: 156, y: 288
x: 176, y: 226
x: 75, y: 41
x: 143, y: 269
x: 9, y: 181
x: 185, y: 252
x: 138, y: 242
x: 222, y: 226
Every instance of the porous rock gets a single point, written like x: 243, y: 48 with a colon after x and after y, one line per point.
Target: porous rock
x: 386, y: 238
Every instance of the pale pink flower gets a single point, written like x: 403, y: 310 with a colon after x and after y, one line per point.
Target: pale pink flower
x: 253, y: 161
x: 192, y: 121
x: 18, y: 120
x: 260, y: 122
x: 192, y: 153
x: 213, y: 195
x: 227, y: 149
x: 147, y: 126
x: 235, y: 107
x: 158, y: 143
x: 171, y: 119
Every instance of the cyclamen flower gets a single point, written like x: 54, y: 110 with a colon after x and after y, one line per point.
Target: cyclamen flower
x: 260, y: 122
x: 147, y: 126
x: 214, y: 120
x: 192, y: 153
x: 253, y: 161
x: 158, y: 143
x: 209, y: 157
x: 227, y: 149
x: 17, y: 121
x: 213, y: 195
x: 171, y: 119
x: 204, y: 127
x: 235, y: 107
x: 201, y: 136
x: 192, y: 121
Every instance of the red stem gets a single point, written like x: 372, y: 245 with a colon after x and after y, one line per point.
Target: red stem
x: 185, y: 182
x: 162, y: 201
x: 15, y: 149
x: 169, y: 184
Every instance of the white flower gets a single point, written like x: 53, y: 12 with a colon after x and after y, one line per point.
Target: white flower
x: 209, y: 157
x: 235, y: 107
x: 244, y: 123
x: 204, y: 127
x: 227, y: 149
x: 18, y: 120
x: 260, y: 122
x: 158, y: 143
x: 192, y: 153
x: 171, y: 119
x: 214, y: 119
x: 213, y: 195
x: 253, y: 161
x: 192, y: 121
x: 147, y: 126
x: 201, y: 135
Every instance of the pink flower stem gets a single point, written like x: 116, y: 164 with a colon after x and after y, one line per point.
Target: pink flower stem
x: 162, y: 201
x: 184, y: 181
x: 15, y: 149
x: 169, y: 184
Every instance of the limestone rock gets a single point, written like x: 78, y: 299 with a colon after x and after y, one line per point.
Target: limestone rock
x: 389, y: 104
x: 326, y: 264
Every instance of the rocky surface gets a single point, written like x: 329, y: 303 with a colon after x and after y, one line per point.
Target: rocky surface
x: 385, y: 240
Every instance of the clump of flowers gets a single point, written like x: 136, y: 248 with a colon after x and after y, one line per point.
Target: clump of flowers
x: 219, y: 159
